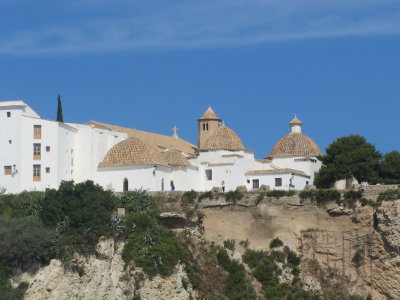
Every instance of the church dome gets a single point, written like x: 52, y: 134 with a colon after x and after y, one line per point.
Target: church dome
x: 132, y: 152
x: 224, y: 138
x: 295, y: 144
x: 175, y: 158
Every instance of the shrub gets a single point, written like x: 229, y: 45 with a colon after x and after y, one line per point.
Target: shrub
x: 245, y: 244
x: 236, y: 285
x: 233, y: 196
x: 275, y: 243
x: 206, y: 195
x: 358, y: 257
x: 304, y: 195
x: 7, y: 292
x: 278, y: 256
x: 135, y: 201
x: 389, y: 195
x: 293, y: 259
x: 20, y: 205
x: 25, y: 242
x: 230, y: 244
x: 323, y: 197
x: 189, y: 197
x: 86, y: 206
x: 276, y: 193
x: 153, y: 248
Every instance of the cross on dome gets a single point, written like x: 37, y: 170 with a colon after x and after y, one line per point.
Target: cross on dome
x: 175, y: 129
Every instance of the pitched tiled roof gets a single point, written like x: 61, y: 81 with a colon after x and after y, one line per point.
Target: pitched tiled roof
x: 132, y: 152
x: 159, y: 140
x: 210, y: 115
x: 175, y: 158
x: 295, y: 121
x: 224, y: 138
x: 276, y: 171
x: 295, y: 144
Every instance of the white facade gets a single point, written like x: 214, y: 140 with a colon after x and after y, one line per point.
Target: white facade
x: 65, y: 151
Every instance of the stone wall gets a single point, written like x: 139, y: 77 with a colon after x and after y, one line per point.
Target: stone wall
x: 372, y: 191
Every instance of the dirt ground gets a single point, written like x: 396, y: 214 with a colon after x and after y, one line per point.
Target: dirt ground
x: 263, y: 223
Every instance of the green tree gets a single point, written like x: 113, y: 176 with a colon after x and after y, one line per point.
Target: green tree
x: 347, y: 157
x: 390, y: 167
x: 59, y: 110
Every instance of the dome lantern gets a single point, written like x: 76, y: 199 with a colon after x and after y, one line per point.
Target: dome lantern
x: 295, y: 125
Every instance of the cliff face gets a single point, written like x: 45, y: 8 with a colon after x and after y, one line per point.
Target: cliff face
x: 376, y: 239
x: 104, y: 277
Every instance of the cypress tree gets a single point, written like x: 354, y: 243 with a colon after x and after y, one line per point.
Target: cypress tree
x: 59, y: 111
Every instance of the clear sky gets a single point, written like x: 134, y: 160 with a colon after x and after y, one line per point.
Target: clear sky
x: 154, y: 64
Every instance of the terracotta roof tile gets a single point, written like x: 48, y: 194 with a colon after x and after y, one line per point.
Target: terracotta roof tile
x: 132, y: 152
x: 210, y: 115
x: 159, y: 140
x: 175, y: 158
x: 295, y: 144
x: 276, y: 171
x: 224, y: 138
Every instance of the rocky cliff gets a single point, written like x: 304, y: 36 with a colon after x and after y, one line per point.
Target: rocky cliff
x: 102, y: 277
x: 367, y: 256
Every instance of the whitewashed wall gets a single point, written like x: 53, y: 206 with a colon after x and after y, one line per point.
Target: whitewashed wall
x: 139, y: 177
x: 298, y: 181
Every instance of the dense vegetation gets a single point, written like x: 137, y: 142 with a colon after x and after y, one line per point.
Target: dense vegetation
x: 352, y: 156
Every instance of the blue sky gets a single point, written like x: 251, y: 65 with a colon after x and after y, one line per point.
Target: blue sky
x: 151, y: 65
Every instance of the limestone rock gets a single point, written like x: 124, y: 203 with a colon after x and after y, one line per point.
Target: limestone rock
x: 103, y: 277
x: 388, y: 224
x: 166, y: 288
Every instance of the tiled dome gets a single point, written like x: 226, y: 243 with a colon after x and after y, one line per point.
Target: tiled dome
x: 224, y: 138
x: 175, y: 158
x: 295, y: 144
x: 133, y: 152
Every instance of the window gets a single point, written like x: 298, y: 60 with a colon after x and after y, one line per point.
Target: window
x: 8, y: 114
x: 10, y: 141
x: 207, y: 126
x: 278, y: 181
x: 37, y: 132
x: 209, y: 174
x: 47, y: 148
x: 7, y: 170
x: 256, y: 183
x: 37, y: 151
x: 47, y: 170
x: 36, y: 172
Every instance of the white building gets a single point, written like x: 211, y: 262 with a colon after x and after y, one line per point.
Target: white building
x: 39, y: 154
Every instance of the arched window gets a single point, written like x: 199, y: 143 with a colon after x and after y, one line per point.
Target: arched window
x: 162, y: 184
x: 126, y: 185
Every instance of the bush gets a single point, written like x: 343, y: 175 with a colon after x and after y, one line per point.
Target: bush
x: 135, y: 201
x: 86, y: 206
x: 25, y: 242
x: 189, y: 197
x: 233, y: 196
x: 323, y: 197
x: 206, y: 195
x: 275, y: 243
x: 7, y: 292
x: 293, y: 259
x: 389, y: 195
x: 236, y: 285
x: 277, y: 256
x: 358, y: 257
x: 230, y: 244
x: 20, y: 205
